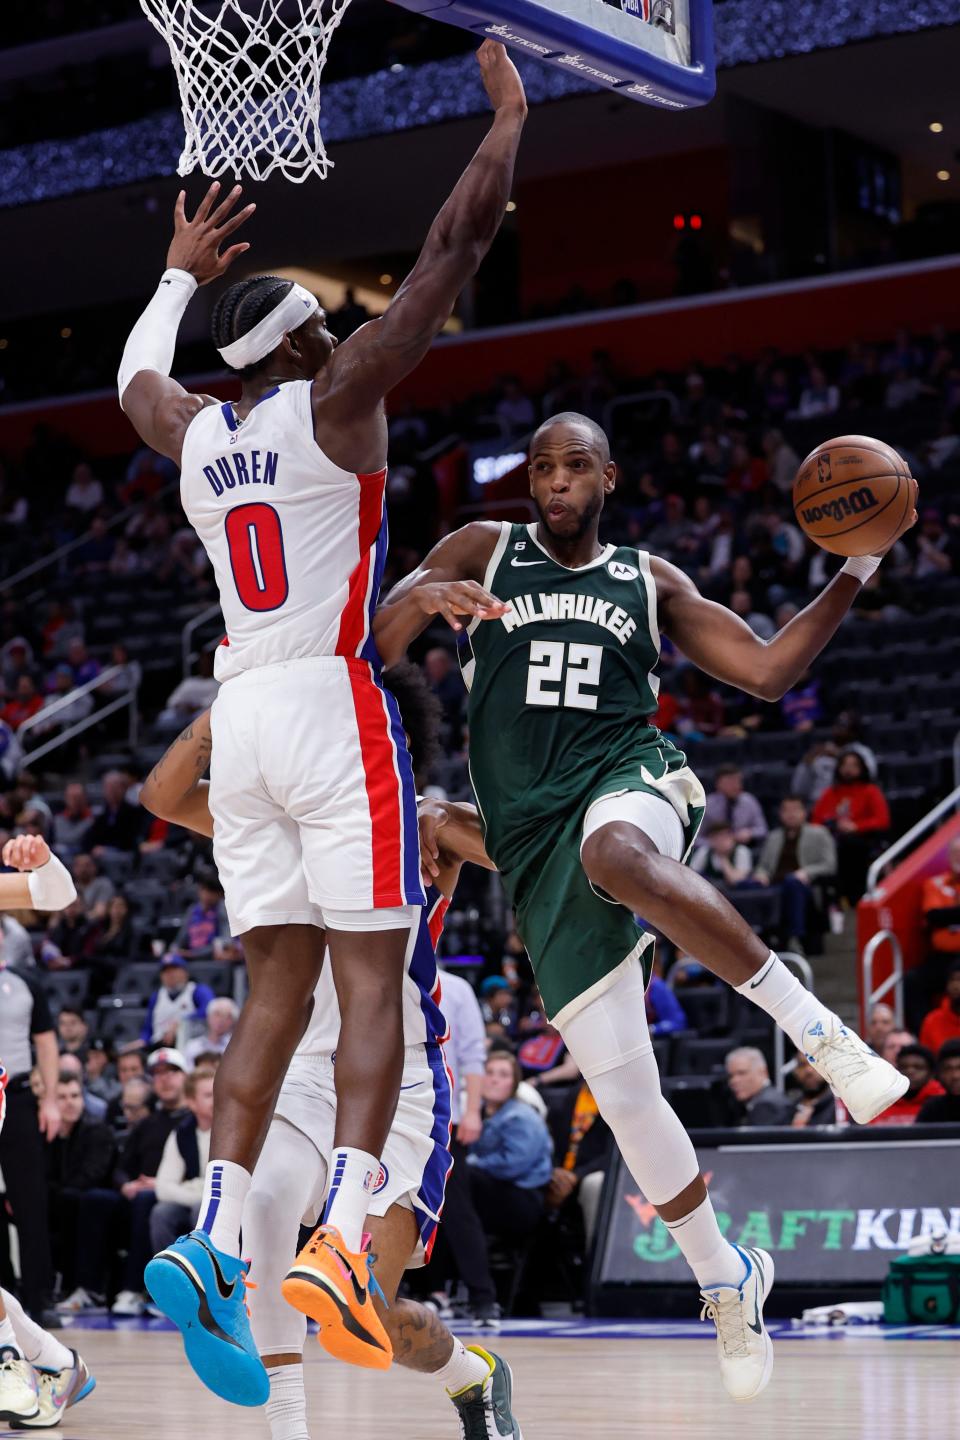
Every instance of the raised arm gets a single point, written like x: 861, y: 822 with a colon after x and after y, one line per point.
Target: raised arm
x: 724, y: 646
x: 159, y: 408
x: 378, y: 356
x: 447, y: 584
x: 175, y: 789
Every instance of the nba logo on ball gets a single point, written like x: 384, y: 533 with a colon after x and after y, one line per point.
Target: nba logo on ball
x: 382, y: 1178
x: 824, y: 469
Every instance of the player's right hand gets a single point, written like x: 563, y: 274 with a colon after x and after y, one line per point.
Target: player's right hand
x: 26, y: 852
x: 501, y: 78
x: 451, y: 598
x: 432, y: 818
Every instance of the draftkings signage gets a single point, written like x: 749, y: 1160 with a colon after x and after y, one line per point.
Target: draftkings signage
x: 832, y: 1213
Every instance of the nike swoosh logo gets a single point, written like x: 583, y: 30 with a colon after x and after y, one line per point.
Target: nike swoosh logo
x: 226, y: 1289
x: 756, y: 1327
x: 521, y: 563
x: 766, y: 972
x: 166, y: 282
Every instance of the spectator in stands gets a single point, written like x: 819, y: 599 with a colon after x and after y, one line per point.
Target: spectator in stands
x: 940, y: 902
x: 71, y: 825
x: 701, y: 709
x: 85, y: 492
x: 119, y: 825
x: 73, y: 1065
x: 721, y: 860
x: 732, y: 805
x: 63, y: 712
x: 945, y: 1109
x: 818, y: 396
x: 498, y: 1003
x: 95, y: 890
x: 880, y: 1023
x: 129, y: 1066
x: 758, y: 1102
x: 783, y: 461
x: 80, y: 1159
x: 510, y: 1164
x: 27, y: 702
x: 796, y: 857
x: 445, y: 682
x: 66, y: 938
x: 816, y: 771
x: 349, y: 316
x: 934, y: 548
x: 137, y: 1170
x: 856, y: 811
x: 73, y: 1032
x: 514, y: 410
x: 177, y: 998
x: 919, y: 1065
x: 109, y: 943
x: 16, y: 946
x: 811, y: 1096
x: 222, y: 1016
x: 665, y: 1013
x: 943, y: 1023
x: 582, y: 1148
x: 191, y: 696
x: 205, y: 921
x: 894, y: 1043
x: 179, y: 1183
x: 134, y: 1103
x: 100, y: 1078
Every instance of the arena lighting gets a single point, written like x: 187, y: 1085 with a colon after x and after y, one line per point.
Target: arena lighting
x: 65, y: 333
x: 386, y: 279
x: 943, y: 174
x: 488, y: 468
x: 511, y: 206
x: 696, y: 222
x: 936, y: 127
x: 678, y: 222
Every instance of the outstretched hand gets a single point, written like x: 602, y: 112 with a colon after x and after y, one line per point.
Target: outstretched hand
x: 501, y: 78
x: 910, y: 519
x: 451, y: 598
x: 195, y: 246
x: 26, y: 852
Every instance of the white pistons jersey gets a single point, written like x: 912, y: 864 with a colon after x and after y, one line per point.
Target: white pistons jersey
x: 297, y: 545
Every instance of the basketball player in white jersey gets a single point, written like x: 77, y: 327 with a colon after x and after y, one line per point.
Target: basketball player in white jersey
x: 39, y: 1377
x: 311, y: 785
x: 291, y: 1176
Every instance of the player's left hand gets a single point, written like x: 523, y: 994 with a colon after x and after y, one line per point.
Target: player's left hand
x: 909, y: 521
x: 452, y: 598
x: 195, y: 246
x: 26, y: 852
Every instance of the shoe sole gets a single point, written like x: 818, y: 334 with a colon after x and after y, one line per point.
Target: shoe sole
x: 769, y: 1273
x: 517, y: 1435
x: 218, y: 1361
x: 894, y: 1091
x: 342, y: 1334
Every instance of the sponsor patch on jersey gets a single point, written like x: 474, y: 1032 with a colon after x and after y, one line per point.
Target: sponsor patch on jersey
x: 382, y: 1179
x: 617, y: 570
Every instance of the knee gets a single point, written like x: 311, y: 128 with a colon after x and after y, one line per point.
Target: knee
x: 613, y: 852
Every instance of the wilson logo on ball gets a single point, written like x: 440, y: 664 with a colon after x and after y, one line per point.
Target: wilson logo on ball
x: 845, y: 505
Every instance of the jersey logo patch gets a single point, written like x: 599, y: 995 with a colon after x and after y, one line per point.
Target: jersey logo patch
x: 517, y: 564
x: 382, y: 1179
x: 617, y: 570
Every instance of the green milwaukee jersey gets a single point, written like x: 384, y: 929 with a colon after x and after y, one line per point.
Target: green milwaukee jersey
x: 562, y: 691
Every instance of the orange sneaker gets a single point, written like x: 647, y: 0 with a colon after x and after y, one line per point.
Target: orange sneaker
x: 334, y: 1286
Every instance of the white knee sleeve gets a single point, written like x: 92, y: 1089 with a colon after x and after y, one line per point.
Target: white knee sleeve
x: 610, y: 1042
x: 289, y: 1179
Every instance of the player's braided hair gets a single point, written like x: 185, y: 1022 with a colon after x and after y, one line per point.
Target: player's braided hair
x: 242, y: 307
x: 420, y: 712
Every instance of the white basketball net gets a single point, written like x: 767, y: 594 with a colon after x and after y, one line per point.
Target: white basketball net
x: 249, y: 75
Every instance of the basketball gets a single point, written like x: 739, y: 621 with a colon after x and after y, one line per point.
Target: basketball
x: 852, y: 495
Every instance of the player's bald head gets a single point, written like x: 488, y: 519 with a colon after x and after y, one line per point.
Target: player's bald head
x: 570, y: 425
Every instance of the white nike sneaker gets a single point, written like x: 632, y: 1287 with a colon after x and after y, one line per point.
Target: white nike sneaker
x: 744, y: 1348
x: 128, y: 1302
x: 18, y: 1388
x: 865, y: 1083
x: 58, y: 1391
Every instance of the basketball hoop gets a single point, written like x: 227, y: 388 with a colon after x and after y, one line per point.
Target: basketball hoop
x: 249, y: 74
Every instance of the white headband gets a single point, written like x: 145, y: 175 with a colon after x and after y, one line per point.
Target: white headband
x: 295, y: 307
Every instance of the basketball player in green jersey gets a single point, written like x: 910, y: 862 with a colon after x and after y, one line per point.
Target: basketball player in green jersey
x: 589, y: 812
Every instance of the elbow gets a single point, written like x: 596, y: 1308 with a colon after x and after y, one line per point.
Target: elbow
x: 151, y: 802
x: 770, y: 689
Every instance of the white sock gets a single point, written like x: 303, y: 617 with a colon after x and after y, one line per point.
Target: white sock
x: 8, y: 1339
x: 354, y: 1174
x: 42, y: 1349
x: 712, y: 1259
x: 463, y: 1369
x: 783, y: 997
x: 225, y: 1187
x: 287, y: 1406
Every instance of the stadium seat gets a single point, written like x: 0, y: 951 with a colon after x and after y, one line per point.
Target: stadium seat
x: 692, y: 1055
x: 694, y: 1100
x: 136, y: 979
x: 66, y: 987
x: 707, y: 1010
x: 759, y: 906
x: 119, y: 1026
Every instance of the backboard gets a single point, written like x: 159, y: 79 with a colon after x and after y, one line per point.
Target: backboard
x: 657, y: 51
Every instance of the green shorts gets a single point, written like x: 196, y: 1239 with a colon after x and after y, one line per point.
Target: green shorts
x: 579, y: 941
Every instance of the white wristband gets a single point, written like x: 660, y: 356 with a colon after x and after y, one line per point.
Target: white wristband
x: 861, y: 567
x: 51, y: 887
x: 153, y: 340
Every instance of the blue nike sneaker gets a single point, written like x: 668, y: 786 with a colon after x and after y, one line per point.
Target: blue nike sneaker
x: 203, y: 1292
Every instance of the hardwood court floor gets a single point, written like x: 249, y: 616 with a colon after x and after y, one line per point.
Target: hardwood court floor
x: 842, y: 1388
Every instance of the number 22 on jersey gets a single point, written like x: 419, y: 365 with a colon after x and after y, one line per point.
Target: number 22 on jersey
x: 255, y: 542
x: 562, y: 674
